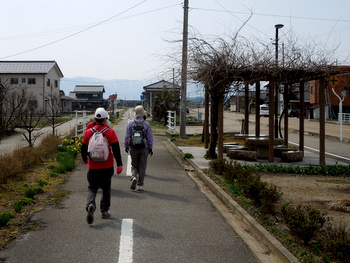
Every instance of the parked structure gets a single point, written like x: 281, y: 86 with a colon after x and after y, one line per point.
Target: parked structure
x: 157, y: 88
x: 88, y: 97
x: 41, y: 78
x: 340, y: 83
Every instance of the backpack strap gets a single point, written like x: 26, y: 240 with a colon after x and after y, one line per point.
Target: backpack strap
x: 103, y: 130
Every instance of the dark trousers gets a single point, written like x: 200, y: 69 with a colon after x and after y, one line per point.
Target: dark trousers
x: 139, y: 163
x: 100, y: 178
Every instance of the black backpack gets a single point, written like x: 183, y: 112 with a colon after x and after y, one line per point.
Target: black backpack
x: 137, y: 139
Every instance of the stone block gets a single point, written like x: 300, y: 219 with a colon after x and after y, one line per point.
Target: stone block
x: 243, y: 155
x: 292, y: 156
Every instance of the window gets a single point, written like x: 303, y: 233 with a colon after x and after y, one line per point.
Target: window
x: 48, y: 82
x: 56, y: 83
x: 23, y: 80
x: 14, y: 80
x: 31, y: 81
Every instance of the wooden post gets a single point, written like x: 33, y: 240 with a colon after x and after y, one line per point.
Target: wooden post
x: 271, y: 120
x: 246, y: 108
x: 286, y: 103
x: 257, y: 108
x: 301, y: 117
x: 322, y: 99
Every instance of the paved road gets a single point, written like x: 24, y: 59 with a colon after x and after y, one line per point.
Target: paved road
x: 337, y: 150
x: 171, y: 221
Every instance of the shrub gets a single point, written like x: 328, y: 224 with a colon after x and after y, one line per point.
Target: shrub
x: 54, y: 174
x: 30, y: 192
x: 66, y: 162
x: 25, y: 201
x: 17, y: 207
x: 218, y: 166
x: 5, y: 218
x: 269, y: 196
x: 42, y: 182
x: 187, y: 156
x: 27, y: 157
x: 303, y: 222
x: 335, y: 242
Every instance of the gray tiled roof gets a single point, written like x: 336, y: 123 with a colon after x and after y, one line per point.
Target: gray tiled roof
x: 89, y: 88
x: 26, y: 67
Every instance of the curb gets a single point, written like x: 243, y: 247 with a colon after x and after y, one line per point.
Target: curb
x: 283, y: 254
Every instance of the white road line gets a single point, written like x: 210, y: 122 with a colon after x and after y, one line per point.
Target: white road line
x: 126, y: 241
x: 128, y: 166
x: 327, y: 153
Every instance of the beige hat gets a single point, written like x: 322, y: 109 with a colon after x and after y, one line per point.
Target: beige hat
x: 139, y: 111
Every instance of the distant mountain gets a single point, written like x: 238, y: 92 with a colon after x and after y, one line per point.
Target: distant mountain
x: 126, y: 89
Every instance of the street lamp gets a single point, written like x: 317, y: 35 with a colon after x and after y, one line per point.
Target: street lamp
x: 278, y: 26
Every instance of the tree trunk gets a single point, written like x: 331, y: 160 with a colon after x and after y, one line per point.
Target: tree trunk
x: 214, y: 118
x: 221, y: 127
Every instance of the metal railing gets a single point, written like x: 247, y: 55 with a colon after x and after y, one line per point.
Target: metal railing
x: 172, y: 121
x: 345, y: 117
x: 80, y: 121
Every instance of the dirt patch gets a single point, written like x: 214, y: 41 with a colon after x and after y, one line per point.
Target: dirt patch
x: 328, y: 194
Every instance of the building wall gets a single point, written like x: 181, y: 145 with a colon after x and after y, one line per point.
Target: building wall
x: 39, y: 90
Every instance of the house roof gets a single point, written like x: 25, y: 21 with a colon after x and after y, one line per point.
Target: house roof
x: 89, y: 89
x: 28, y: 67
x: 161, y: 85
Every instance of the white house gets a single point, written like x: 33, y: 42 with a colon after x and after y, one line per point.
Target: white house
x: 42, y: 78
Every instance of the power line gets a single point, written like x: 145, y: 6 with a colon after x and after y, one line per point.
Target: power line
x: 77, y: 33
x: 273, y: 15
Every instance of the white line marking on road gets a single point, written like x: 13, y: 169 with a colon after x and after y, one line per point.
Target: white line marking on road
x: 126, y: 241
x: 128, y: 166
x: 327, y: 153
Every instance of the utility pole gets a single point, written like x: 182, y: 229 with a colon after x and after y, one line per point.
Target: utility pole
x: 278, y: 26
x: 184, y: 73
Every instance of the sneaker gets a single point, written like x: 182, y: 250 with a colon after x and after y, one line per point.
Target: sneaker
x: 133, y: 183
x: 106, y: 215
x: 90, y: 215
x: 140, y: 188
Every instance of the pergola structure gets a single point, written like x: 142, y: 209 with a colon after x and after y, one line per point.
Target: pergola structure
x: 275, y: 76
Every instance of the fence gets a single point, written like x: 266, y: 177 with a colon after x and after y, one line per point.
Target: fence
x: 345, y: 117
x: 172, y: 121
x: 80, y: 122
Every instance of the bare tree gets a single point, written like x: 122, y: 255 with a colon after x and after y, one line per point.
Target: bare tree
x: 13, y: 101
x: 32, y: 120
x: 53, y: 110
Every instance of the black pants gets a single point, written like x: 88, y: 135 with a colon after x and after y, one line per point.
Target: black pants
x: 100, y: 178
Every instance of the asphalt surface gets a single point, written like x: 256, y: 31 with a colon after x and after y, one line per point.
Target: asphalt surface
x: 171, y: 221
x: 174, y: 220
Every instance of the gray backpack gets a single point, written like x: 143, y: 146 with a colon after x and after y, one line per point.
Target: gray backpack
x: 137, y: 138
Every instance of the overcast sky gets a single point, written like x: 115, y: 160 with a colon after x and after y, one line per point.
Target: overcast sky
x: 113, y: 39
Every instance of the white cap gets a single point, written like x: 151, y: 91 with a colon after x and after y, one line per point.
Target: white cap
x: 139, y: 111
x: 101, y: 113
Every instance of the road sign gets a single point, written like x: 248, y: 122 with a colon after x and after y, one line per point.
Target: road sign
x: 333, y: 81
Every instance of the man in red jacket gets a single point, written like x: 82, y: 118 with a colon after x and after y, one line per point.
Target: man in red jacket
x: 100, y: 173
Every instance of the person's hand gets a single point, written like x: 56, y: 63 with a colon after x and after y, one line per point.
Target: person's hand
x: 127, y: 149
x: 119, y: 169
x: 150, y: 151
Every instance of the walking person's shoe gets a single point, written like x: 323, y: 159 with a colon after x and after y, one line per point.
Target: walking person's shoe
x: 90, y: 214
x: 140, y: 188
x: 106, y: 215
x: 133, y: 183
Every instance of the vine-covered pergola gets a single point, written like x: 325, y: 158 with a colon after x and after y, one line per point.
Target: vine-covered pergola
x: 230, y: 65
